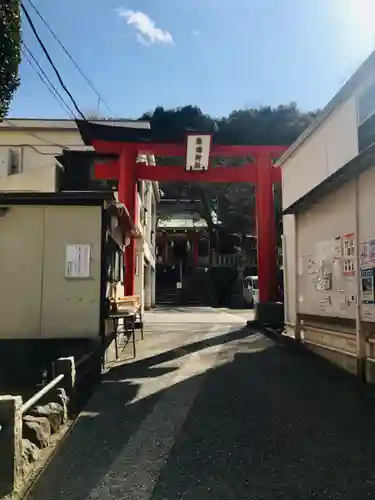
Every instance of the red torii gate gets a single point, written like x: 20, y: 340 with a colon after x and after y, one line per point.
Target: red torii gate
x: 128, y: 143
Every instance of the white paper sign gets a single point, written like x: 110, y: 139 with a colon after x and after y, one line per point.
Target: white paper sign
x: 77, y: 261
x: 198, y: 152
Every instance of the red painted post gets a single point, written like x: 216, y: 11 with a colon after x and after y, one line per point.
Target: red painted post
x: 127, y: 192
x: 266, y: 230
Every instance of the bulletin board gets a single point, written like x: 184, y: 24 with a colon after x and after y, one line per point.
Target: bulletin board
x: 327, y: 277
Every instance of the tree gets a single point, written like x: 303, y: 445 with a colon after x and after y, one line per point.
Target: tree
x: 10, y: 51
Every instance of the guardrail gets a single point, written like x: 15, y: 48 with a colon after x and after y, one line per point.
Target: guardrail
x: 38, y: 396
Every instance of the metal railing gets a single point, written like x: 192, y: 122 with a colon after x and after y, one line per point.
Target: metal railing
x: 34, y: 399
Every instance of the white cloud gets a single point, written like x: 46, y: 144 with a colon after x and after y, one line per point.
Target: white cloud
x: 195, y: 33
x: 147, y: 32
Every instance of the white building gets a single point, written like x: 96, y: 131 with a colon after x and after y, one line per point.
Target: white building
x: 27, y: 163
x: 329, y: 229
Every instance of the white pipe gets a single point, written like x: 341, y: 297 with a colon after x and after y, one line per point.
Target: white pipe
x: 31, y: 402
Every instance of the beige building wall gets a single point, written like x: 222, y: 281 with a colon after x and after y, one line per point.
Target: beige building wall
x: 34, y: 149
x: 21, y: 251
x: 37, y: 300
x: 330, y: 146
x: 324, y: 152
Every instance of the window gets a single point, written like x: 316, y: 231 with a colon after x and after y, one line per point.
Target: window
x: 15, y: 161
x: 366, y: 118
x: 366, y: 104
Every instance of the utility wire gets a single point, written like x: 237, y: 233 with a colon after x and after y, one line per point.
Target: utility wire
x: 44, y: 78
x: 99, y: 95
x: 45, y: 83
x: 29, y: 20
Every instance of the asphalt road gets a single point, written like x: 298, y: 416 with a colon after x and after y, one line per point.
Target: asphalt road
x: 212, y: 411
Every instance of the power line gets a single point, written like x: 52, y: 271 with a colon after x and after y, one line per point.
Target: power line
x: 24, y: 10
x: 44, y: 78
x: 101, y: 98
x: 46, y: 84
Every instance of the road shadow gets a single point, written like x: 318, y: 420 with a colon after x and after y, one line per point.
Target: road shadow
x: 270, y: 425
x: 144, y: 368
x: 109, y: 419
x: 266, y: 424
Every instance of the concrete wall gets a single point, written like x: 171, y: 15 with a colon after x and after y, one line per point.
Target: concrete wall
x: 37, y: 300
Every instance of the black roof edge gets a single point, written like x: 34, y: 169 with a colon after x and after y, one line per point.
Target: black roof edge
x: 352, y: 169
x: 112, y: 133
x: 60, y: 198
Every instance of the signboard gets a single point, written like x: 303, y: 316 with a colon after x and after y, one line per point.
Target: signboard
x: 198, y: 152
x: 77, y: 261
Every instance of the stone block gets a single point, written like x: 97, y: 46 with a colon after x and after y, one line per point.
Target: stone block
x: 37, y: 429
x: 57, y: 395
x: 10, y: 444
x: 30, y: 453
x: 67, y: 367
x: 53, y: 412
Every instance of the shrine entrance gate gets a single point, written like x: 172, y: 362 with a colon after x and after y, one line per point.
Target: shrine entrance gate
x: 130, y: 145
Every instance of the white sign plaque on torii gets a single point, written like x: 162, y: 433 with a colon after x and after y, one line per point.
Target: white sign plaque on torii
x: 198, y: 152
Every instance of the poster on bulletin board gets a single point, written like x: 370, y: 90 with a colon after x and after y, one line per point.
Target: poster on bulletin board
x: 348, y: 254
x: 77, y: 261
x: 367, y: 254
x: 367, y: 285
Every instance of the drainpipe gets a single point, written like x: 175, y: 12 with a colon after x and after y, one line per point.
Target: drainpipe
x: 360, y: 337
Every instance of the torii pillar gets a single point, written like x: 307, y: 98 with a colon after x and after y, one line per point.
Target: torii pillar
x: 266, y: 229
x: 127, y: 194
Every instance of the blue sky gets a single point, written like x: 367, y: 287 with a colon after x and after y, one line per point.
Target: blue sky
x: 218, y: 54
